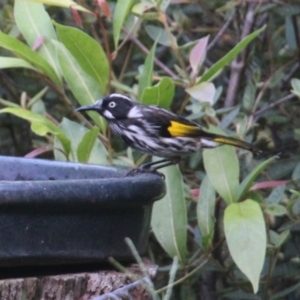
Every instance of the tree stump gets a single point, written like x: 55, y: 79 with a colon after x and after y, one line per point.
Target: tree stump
x: 79, y: 286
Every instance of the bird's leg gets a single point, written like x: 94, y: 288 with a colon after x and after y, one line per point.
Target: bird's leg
x: 160, y: 163
x: 149, y: 165
x: 152, y: 167
x: 140, y: 170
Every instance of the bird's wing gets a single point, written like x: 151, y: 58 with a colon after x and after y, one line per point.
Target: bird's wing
x: 169, y: 124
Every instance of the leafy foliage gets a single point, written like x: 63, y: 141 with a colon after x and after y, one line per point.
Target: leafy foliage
x: 200, y: 60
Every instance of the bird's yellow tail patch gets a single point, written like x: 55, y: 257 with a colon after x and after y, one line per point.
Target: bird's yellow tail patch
x: 228, y: 141
x: 235, y: 142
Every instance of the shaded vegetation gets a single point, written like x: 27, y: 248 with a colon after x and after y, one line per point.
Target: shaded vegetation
x: 231, y: 66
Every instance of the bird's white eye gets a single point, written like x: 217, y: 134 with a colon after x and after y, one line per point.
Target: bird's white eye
x: 112, y: 104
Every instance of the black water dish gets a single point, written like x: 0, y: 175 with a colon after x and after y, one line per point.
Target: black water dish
x: 70, y: 213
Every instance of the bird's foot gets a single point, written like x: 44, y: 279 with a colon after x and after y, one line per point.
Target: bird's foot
x: 141, y: 170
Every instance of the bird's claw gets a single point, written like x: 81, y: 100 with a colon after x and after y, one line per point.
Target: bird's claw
x: 136, y: 171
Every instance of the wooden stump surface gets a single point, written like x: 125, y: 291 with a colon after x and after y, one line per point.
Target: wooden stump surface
x: 79, y: 286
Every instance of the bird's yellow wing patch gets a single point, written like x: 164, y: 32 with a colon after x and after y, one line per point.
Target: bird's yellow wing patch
x: 180, y: 129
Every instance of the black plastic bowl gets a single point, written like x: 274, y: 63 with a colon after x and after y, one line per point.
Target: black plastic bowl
x: 69, y: 213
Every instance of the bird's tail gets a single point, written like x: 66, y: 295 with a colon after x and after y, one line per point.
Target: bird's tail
x: 213, y: 140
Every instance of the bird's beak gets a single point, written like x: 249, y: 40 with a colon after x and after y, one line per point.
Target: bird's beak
x: 97, y: 106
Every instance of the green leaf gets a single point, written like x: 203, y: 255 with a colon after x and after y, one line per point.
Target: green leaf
x: 293, y: 206
x: 86, y: 145
x: 87, y: 52
x: 121, y: 11
x: 76, y: 133
x: 283, y: 294
x: 228, y: 58
x: 24, y: 114
x: 296, y: 172
x: 245, y: 233
x: 227, y: 119
x: 98, y: 154
x: 257, y: 197
x: 169, y: 216
x: 203, y: 92
x: 275, y: 210
x: 294, y: 192
x: 22, y: 50
x: 206, y: 211
x: 197, y: 54
x: 38, y: 107
x: 295, y: 82
x: 276, y: 195
x: 160, y: 35
x: 38, y: 97
x: 161, y: 94
x: 149, y: 16
x: 249, y: 95
x: 163, y: 4
x: 143, y: 11
x: 248, y: 181
x: 34, y: 23
x: 140, y: 8
x: 145, y: 78
x: 12, y: 62
x: 39, y: 128
x: 40, y: 125
x: 9, y: 103
x: 63, y: 3
x: 276, y: 239
x: 82, y: 85
x: 290, y: 33
x: 222, y: 168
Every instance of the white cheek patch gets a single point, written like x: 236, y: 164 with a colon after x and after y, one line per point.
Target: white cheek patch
x: 107, y: 114
x: 135, y: 112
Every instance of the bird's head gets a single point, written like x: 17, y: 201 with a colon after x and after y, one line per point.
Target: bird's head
x: 114, y: 106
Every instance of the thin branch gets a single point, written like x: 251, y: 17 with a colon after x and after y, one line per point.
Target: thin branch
x: 146, y: 51
x: 287, y: 78
x: 106, y: 43
x: 257, y: 100
x: 173, y: 46
x: 171, y: 278
x: 278, y: 102
x: 238, y: 64
x: 183, y: 278
x: 221, y: 31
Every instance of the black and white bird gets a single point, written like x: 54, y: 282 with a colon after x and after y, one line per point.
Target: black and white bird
x: 157, y: 131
